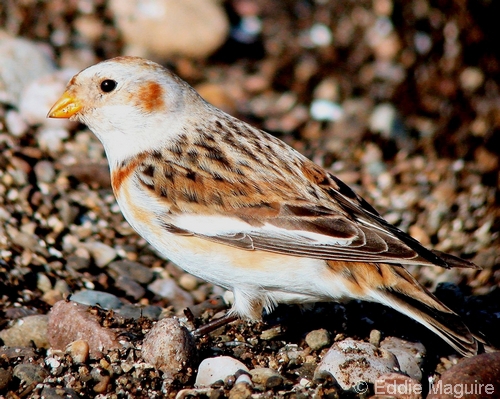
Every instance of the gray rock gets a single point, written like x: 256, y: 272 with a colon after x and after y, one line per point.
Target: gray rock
x: 131, y: 311
x: 94, y: 298
x: 134, y: 270
x: 410, y: 355
x: 131, y: 287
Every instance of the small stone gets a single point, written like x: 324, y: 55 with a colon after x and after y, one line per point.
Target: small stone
x: 70, y: 321
x: 349, y: 358
x: 16, y: 125
x: 94, y: 298
x: 325, y: 110
x: 30, y: 373
x: 44, y: 172
x: 471, y: 78
x: 130, y: 311
x: 5, y: 377
x: 170, y: 347
x: 102, y: 385
x: 215, y: 369
x: 130, y: 287
x: 29, y: 328
x: 79, y: 350
x: 318, y: 339
x: 168, y: 288
x: 375, y: 337
x: 43, y: 283
x: 77, y: 263
x: 266, y: 377
x: 51, y: 138
x: 135, y: 270
x: 271, y: 333
x: 383, y: 119
x: 188, y: 282
x: 240, y: 390
x: 102, y: 253
x: 410, y: 355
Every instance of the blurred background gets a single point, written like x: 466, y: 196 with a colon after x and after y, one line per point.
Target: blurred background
x: 400, y: 99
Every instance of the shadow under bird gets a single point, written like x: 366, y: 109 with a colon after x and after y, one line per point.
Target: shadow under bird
x: 237, y: 207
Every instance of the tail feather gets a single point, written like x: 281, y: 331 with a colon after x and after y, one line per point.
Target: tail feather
x: 444, y: 322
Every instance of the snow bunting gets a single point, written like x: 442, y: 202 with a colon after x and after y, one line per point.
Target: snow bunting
x: 237, y: 207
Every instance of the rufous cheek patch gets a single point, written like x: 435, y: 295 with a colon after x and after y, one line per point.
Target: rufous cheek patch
x: 150, y: 96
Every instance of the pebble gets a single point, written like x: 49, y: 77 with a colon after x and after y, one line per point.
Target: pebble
x: 188, y: 282
x: 383, y: 119
x: 134, y: 270
x: 471, y: 78
x: 215, y: 369
x: 51, y: 138
x: 79, y: 350
x: 168, y: 289
x: 23, y: 61
x: 131, y: 311
x: 410, y: 355
x: 30, y: 373
x: 375, y: 337
x: 16, y: 125
x: 475, y: 377
x: 349, y: 358
x: 100, y: 252
x: 23, y: 331
x: 130, y: 287
x: 271, y: 333
x: 44, y: 171
x: 170, y: 347
x: 318, y: 339
x: 266, y: 377
x: 70, y: 321
x: 165, y: 28
x: 97, y: 298
x: 326, y: 110
x: 240, y: 390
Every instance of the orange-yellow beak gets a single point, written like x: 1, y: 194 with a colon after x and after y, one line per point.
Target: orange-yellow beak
x: 65, y: 107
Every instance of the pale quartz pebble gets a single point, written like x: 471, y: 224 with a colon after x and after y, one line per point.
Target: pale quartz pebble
x: 100, y: 252
x: 51, y: 138
x: 215, y: 369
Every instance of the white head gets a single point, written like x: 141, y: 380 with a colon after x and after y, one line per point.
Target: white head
x: 131, y: 104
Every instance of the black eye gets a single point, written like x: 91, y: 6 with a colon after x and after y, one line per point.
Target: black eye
x: 108, y: 85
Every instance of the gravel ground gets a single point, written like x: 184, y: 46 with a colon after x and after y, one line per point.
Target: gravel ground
x: 398, y: 99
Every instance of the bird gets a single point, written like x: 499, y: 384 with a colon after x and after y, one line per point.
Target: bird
x: 237, y: 207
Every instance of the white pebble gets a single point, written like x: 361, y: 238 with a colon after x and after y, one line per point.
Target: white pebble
x: 15, y: 123
x: 324, y: 110
x: 217, y: 368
